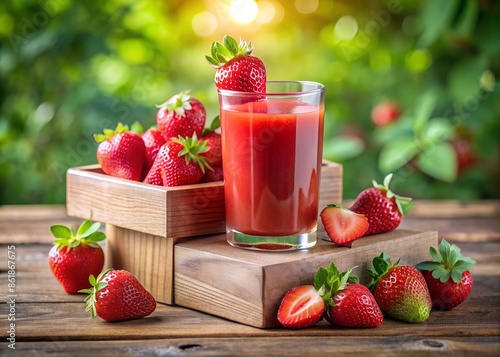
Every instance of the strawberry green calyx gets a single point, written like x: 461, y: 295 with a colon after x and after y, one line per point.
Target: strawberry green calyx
x: 192, y: 148
x: 404, y: 204
x: 109, y: 133
x: 329, y: 281
x: 448, y: 262
x: 223, y: 53
x: 96, y: 285
x: 381, y: 266
x: 88, y: 234
x: 179, y: 103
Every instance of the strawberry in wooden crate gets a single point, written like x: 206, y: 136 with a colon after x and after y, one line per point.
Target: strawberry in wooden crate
x: 121, y: 153
x: 117, y: 295
x: 181, y: 115
x: 76, y: 254
x: 179, y: 162
x: 448, y: 276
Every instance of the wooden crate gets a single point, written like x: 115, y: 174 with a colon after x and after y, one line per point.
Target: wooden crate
x: 144, y: 222
x: 247, y: 286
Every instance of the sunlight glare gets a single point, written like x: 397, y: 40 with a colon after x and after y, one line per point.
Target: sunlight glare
x: 244, y: 11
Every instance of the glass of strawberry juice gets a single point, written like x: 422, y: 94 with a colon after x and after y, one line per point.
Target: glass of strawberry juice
x: 272, y: 146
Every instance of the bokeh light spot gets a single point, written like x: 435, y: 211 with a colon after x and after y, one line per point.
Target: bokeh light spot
x: 418, y: 60
x: 244, y: 11
x: 266, y: 13
x: 346, y: 28
x: 204, y: 23
x: 135, y: 51
x: 306, y: 6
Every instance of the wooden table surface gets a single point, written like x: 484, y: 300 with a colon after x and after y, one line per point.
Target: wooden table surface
x: 50, y: 322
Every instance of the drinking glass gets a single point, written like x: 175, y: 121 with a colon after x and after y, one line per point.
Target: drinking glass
x: 272, y: 145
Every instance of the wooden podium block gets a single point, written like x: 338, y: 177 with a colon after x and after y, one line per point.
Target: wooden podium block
x: 144, y: 222
x: 247, y: 286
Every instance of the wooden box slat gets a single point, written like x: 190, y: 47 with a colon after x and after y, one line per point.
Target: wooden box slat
x: 170, y: 212
x: 247, y: 286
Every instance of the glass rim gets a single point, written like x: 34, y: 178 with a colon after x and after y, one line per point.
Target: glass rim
x: 319, y: 88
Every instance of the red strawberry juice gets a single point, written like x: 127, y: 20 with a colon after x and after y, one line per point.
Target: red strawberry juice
x: 272, y: 153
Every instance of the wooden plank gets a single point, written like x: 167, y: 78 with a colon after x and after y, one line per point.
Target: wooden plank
x: 267, y: 346
x: 44, y: 321
x: 247, y: 286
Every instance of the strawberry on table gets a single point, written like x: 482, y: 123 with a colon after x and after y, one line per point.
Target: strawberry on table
x: 117, y: 295
x: 348, y: 303
x: 179, y: 162
x: 121, y: 153
x: 237, y: 69
x: 383, y: 208
x: 181, y: 115
x: 448, y: 276
x: 400, y: 290
x: 343, y: 226
x: 301, y: 307
x: 76, y: 254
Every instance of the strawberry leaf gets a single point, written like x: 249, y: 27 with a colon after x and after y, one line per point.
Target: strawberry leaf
x: 90, y: 229
x: 59, y: 231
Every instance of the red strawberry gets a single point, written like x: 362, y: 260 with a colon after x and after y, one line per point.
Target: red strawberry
x: 121, y: 153
x: 181, y: 115
x: 76, y: 255
x: 301, y: 307
x: 214, y: 175
x: 237, y: 69
x: 448, y: 277
x: 179, y: 163
x: 400, y: 291
x: 214, y: 145
x: 464, y: 153
x: 153, y: 140
x: 349, y: 304
x: 355, y: 306
x: 383, y: 209
x: 117, y: 295
x: 385, y: 113
x: 342, y: 225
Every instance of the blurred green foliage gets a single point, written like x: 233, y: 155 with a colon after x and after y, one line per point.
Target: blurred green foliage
x: 69, y: 69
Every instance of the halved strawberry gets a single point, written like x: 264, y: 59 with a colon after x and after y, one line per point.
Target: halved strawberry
x: 343, y: 226
x: 301, y: 307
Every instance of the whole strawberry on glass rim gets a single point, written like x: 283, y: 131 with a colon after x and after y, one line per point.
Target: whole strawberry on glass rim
x: 76, y: 254
x: 382, y: 207
x: 181, y: 115
x: 117, y: 295
x: 237, y: 68
x: 448, y: 276
x: 121, y: 153
x: 400, y: 290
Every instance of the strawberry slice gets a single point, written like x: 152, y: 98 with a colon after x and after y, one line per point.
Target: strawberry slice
x: 301, y: 307
x: 343, y: 226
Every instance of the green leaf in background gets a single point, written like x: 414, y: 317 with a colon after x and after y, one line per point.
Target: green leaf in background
x: 396, y: 154
x: 423, y: 112
x: 339, y: 149
x: 436, y: 17
x: 464, y: 81
x: 439, y: 130
x: 467, y: 18
x: 439, y: 161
